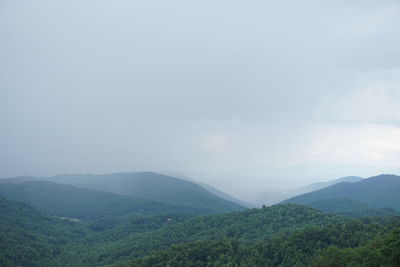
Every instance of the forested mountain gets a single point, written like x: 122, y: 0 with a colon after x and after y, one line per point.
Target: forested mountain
x: 121, y: 230
x: 350, y: 207
x: 68, y: 201
x: 30, y: 238
x: 139, y: 118
x: 248, y: 226
x: 146, y: 185
x: 286, y: 235
x: 381, y: 191
x: 275, y: 197
x: 213, y: 190
x: 383, y: 250
x: 355, y: 243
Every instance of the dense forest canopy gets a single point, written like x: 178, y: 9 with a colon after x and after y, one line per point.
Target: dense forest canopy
x: 280, y: 235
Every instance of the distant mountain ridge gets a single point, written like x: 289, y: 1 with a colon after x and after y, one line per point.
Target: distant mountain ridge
x: 146, y: 185
x: 64, y: 200
x: 274, y: 197
x: 224, y: 195
x: 280, y: 235
x: 320, y: 185
x: 213, y: 190
x: 381, y: 191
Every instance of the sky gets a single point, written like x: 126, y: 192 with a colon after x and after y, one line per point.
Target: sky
x: 248, y: 96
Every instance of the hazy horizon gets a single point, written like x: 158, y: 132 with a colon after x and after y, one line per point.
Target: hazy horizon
x: 249, y: 97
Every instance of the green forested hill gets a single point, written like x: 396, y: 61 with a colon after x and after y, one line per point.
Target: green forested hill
x: 350, y: 207
x: 247, y: 226
x: 382, y: 191
x: 125, y: 231
x: 69, y: 201
x: 383, y: 250
x: 281, y: 235
x: 30, y: 238
x: 146, y: 185
x: 297, y: 247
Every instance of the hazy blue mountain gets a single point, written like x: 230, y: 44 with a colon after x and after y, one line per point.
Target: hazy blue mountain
x: 68, y: 201
x: 223, y: 195
x: 320, y: 185
x: 381, y: 191
x: 146, y: 185
x: 212, y: 190
x: 20, y: 179
x: 277, y: 196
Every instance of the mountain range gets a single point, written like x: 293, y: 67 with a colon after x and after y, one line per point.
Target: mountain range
x: 77, y: 220
x: 144, y: 185
x: 381, y: 191
x: 320, y: 185
x: 86, y: 204
x: 277, y: 196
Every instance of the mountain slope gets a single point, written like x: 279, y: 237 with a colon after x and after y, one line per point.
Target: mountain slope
x: 30, y: 238
x: 249, y: 226
x: 321, y: 185
x: 224, y: 195
x: 212, y: 190
x: 281, y: 235
x: 381, y: 191
x: 301, y: 248
x: 147, y: 185
x: 69, y: 201
x: 350, y: 207
x: 275, y: 197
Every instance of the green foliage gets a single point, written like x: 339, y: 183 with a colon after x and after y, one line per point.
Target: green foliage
x: 248, y: 227
x: 136, y: 225
x: 380, y: 251
x: 350, y: 207
x: 281, y: 235
x: 29, y: 238
x: 296, y: 249
x: 199, y: 253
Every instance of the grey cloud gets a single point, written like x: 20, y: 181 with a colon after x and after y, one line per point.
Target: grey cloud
x: 101, y: 86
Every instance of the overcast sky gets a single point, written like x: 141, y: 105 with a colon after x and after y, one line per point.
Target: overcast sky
x: 239, y: 94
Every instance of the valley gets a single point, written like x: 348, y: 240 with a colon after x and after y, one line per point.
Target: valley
x: 54, y: 223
